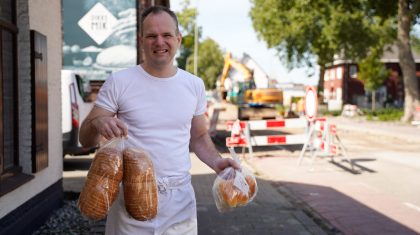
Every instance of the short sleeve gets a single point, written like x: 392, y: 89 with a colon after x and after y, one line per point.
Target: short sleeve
x: 201, y: 96
x: 107, y: 96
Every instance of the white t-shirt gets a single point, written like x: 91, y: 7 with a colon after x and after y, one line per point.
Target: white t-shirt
x: 158, y: 113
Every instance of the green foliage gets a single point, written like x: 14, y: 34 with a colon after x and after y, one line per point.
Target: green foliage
x: 385, y: 114
x: 333, y: 113
x: 415, y: 42
x: 187, y: 19
x: 372, y: 71
x: 303, y: 29
x: 210, y: 62
x: 210, y: 57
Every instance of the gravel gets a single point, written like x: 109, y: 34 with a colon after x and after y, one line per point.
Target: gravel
x: 68, y: 220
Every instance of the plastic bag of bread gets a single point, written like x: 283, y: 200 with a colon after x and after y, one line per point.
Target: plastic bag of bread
x: 234, y: 188
x: 139, y: 182
x: 102, y: 183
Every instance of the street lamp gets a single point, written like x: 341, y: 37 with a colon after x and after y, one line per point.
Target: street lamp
x: 196, y: 42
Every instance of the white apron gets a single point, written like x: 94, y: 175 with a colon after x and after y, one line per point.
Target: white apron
x: 177, y: 212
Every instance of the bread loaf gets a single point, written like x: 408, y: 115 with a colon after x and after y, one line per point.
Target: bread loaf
x: 231, y: 195
x: 140, y: 188
x: 252, y: 186
x: 102, y: 183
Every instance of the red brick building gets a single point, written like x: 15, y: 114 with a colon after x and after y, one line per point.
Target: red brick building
x: 341, y: 85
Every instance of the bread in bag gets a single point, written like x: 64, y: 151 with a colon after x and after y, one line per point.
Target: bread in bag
x: 102, y: 183
x: 140, y: 188
x: 233, y: 196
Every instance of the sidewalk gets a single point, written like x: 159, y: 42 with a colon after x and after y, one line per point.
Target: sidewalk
x: 291, y: 200
x: 407, y: 132
x: 269, y: 213
x: 364, y: 203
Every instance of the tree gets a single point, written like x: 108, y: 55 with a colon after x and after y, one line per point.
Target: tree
x: 210, y: 62
x: 373, y: 73
x: 408, y: 13
x: 303, y: 29
x: 187, y: 20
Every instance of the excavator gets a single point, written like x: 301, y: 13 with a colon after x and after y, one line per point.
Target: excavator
x: 253, y: 102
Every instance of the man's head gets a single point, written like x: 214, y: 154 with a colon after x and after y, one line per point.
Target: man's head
x: 160, y: 38
x: 155, y: 10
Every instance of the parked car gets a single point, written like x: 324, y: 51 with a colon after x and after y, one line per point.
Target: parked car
x: 75, y: 108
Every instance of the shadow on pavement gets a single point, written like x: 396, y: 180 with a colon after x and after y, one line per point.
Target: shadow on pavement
x: 281, y: 208
x: 341, y: 211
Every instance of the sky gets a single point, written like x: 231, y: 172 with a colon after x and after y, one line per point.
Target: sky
x: 227, y: 22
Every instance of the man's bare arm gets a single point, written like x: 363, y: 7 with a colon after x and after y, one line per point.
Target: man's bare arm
x: 100, y: 122
x: 204, y: 148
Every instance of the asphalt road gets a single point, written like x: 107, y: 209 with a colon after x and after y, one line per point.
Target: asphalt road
x: 385, y: 177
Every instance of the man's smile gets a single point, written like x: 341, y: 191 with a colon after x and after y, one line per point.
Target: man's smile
x: 161, y: 51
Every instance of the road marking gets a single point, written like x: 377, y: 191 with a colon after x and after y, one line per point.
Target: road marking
x: 412, y: 206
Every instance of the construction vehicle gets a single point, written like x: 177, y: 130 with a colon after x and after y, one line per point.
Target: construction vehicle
x: 240, y: 85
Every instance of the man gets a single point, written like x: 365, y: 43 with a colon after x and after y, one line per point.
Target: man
x: 162, y: 108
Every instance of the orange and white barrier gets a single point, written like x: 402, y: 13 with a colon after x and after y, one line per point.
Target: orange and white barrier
x: 241, y: 133
x: 267, y: 124
x: 322, y: 140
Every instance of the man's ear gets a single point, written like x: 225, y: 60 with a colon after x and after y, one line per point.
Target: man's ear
x: 179, y: 38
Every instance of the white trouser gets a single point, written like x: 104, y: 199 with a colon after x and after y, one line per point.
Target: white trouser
x: 177, y: 213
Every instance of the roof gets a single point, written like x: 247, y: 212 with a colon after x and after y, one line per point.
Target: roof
x: 390, y: 56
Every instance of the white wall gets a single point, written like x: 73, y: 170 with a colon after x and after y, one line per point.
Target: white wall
x: 44, y: 17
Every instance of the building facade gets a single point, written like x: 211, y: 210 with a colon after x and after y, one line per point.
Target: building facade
x: 31, y: 151
x: 30, y: 136
x: 341, y: 85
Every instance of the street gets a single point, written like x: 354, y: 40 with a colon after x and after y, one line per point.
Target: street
x: 380, y: 195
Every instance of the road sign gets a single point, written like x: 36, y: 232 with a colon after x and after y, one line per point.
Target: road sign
x: 311, y: 103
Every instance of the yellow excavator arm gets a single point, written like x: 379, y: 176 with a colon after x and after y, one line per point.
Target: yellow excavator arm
x: 263, y: 96
x: 231, y: 63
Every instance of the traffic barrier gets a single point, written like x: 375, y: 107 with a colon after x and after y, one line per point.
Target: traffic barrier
x: 323, y: 141
x: 241, y: 133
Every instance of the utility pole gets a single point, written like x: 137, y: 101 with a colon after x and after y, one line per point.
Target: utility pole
x: 196, y: 45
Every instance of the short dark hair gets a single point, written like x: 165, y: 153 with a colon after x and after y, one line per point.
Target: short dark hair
x: 156, y: 10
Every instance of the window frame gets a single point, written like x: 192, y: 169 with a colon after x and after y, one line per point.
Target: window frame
x: 10, y: 178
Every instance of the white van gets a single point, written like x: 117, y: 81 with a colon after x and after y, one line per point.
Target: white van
x: 74, y: 110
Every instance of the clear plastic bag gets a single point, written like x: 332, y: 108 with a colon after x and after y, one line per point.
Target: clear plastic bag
x: 139, y: 182
x: 102, y: 182
x: 234, y: 188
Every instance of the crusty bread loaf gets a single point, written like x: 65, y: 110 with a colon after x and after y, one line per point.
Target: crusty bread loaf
x: 102, y: 183
x: 231, y: 195
x: 252, y: 186
x: 140, y: 188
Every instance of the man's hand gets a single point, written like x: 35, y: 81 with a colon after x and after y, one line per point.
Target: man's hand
x: 110, y: 127
x: 100, y: 123
x: 221, y: 163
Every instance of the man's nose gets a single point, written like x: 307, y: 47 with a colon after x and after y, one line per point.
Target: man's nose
x: 159, y: 40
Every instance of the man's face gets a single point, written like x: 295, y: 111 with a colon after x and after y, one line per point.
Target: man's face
x: 160, y: 39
